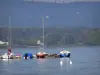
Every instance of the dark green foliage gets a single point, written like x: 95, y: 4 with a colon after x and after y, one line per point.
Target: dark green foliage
x: 93, y: 37
x: 53, y: 36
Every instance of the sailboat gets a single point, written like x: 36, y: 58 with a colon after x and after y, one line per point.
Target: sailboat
x: 41, y: 54
x: 9, y: 54
x: 64, y: 53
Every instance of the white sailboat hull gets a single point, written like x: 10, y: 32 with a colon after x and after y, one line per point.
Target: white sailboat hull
x: 5, y: 56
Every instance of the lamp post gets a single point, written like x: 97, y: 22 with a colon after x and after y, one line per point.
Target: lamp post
x: 43, y: 28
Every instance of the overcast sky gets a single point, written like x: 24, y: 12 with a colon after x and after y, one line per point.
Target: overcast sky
x: 28, y: 13
x: 65, y: 1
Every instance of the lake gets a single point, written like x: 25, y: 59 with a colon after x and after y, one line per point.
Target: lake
x: 85, y: 61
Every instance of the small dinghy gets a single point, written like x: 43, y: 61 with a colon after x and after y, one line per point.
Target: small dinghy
x: 6, y: 56
x: 64, y: 53
x: 28, y: 56
x: 41, y: 54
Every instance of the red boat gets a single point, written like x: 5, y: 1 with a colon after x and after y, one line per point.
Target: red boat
x: 41, y: 55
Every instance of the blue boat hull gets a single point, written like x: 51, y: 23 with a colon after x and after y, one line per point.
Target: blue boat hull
x: 64, y: 55
x: 28, y: 55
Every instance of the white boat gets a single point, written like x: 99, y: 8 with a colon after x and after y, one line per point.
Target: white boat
x: 64, y: 53
x: 6, y: 56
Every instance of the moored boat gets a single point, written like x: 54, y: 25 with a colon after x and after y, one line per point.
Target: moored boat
x: 28, y: 56
x: 64, y: 53
x: 41, y: 54
x: 7, y: 56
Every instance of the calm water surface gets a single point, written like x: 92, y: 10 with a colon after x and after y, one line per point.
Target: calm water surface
x: 85, y: 61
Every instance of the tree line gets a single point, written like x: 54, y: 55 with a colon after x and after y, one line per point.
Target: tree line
x: 53, y: 36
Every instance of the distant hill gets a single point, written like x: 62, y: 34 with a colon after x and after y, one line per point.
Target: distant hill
x: 27, y: 14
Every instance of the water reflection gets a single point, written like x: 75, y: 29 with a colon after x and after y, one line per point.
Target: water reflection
x: 65, y: 63
x: 7, y: 61
x: 5, y: 66
x: 41, y: 63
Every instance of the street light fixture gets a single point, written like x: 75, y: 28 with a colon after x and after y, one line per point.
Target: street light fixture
x: 43, y: 18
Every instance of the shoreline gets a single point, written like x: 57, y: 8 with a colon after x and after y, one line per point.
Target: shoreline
x: 5, y: 47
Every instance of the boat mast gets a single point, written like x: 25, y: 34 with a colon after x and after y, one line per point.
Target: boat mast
x: 43, y: 30
x: 9, y: 39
